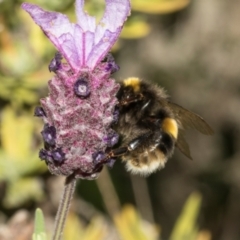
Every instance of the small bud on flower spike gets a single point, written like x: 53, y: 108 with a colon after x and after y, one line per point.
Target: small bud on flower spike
x: 111, y: 66
x: 81, y: 87
x: 112, y: 139
x: 49, y: 135
x: 55, y: 64
x: 45, y: 155
x: 80, y: 107
x: 58, y: 155
x: 98, y: 156
x: 39, y: 112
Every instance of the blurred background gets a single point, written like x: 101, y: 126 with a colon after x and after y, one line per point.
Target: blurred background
x: 192, y: 49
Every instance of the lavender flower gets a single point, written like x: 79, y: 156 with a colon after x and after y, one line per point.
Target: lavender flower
x: 79, y: 109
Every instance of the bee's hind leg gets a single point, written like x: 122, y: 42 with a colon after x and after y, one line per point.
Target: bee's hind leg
x: 121, y: 151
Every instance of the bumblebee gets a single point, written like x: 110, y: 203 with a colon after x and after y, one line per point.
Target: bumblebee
x: 150, y: 126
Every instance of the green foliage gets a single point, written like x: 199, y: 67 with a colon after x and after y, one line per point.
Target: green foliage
x: 21, y: 191
x: 136, y: 27
x: 25, y: 53
x: 23, y: 73
x: 39, y: 226
x: 19, y: 158
x: 130, y: 225
x: 186, y: 227
x: 95, y: 230
x: 53, y: 4
x: 158, y: 6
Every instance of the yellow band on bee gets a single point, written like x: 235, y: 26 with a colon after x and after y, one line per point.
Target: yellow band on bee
x: 132, y: 82
x: 170, y: 126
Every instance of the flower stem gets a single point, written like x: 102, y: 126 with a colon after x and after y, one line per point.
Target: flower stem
x: 63, y: 207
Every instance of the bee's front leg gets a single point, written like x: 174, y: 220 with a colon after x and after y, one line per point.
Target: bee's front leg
x: 121, y: 151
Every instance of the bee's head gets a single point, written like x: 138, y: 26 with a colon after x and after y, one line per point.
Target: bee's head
x: 130, y: 89
x: 127, y: 93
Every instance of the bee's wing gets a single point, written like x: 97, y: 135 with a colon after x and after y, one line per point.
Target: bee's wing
x: 182, y: 145
x: 189, y: 119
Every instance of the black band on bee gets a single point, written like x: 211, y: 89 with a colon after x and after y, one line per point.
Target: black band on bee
x: 167, y: 144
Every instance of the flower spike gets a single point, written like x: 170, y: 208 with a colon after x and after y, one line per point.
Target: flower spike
x: 80, y: 108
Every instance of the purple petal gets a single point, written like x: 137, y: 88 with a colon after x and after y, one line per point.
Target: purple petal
x: 86, y: 22
x: 100, y: 50
x: 82, y: 44
x: 108, y: 29
x: 116, y: 13
x: 68, y: 38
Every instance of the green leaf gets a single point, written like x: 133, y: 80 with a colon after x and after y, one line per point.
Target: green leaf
x: 135, y: 27
x: 186, y: 227
x: 158, y: 6
x: 21, y: 191
x: 73, y: 228
x: 131, y: 227
x: 53, y: 5
x: 18, y: 155
x: 39, y: 226
x: 96, y: 229
x: 16, y: 134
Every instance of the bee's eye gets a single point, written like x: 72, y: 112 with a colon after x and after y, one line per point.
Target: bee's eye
x: 81, y: 87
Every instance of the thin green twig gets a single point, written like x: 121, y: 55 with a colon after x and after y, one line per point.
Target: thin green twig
x: 63, y: 207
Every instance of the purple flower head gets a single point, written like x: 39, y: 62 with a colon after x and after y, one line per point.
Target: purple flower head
x: 79, y: 109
